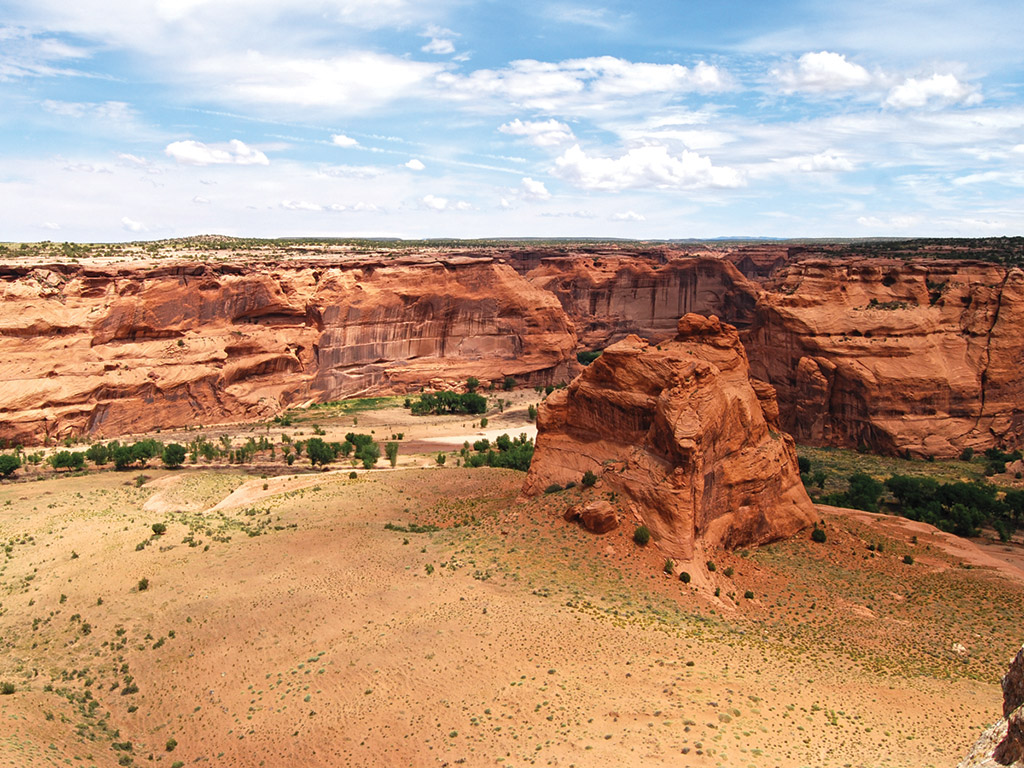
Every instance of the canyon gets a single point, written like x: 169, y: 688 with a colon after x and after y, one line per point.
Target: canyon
x: 905, y: 348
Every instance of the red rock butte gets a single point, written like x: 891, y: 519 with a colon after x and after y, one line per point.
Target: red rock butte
x: 678, y: 430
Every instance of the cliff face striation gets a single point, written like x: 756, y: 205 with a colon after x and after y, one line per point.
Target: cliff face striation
x: 1002, y: 745
x: 611, y: 296
x: 923, y: 357
x: 109, y: 350
x: 684, y: 435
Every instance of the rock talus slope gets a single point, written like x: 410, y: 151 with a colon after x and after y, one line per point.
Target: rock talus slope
x: 923, y: 357
x: 681, y: 432
x: 1002, y: 745
x: 110, y: 350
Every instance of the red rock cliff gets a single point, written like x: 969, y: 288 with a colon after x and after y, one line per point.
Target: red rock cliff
x: 105, y: 351
x: 924, y: 357
x: 682, y: 433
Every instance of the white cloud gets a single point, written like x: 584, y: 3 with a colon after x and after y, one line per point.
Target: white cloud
x: 440, y: 40
x: 415, y: 165
x: 629, y: 216
x: 357, y: 81
x: 580, y: 83
x: 341, y: 140
x: 535, y: 190
x: 822, y: 72
x: 197, y: 153
x: 200, y: 200
x: 351, y: 171
x: 50, y: 225
x: 130, y: 225
x: 889, y: 222
x: 108, y: 110
x: 824, y: 161
x: 301, y: 205
x: 643, y: 168
x: 542, y: 133
x: 937, y: 90
x: 135, y: 160
x: 599, y: 18
x: 434, y: 202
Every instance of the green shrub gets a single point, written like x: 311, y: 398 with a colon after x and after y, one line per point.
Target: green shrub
x: 729, y: 571
x: 531, y: 413
x: 804, y: 464
x: 711, y: 566
x: 509, y: 383
x: 669, y: 566
x: 353, y: 475
x: 818, y: 535
x: 391, y: 450
x: 967, y: 454
x: 908, y: 559
x: 748, y: 595
x: 170, y: 745
x: 642, y: 535
x: 589, y: 479
x: 553, y: 488
x: 159, y: 529
x: 9, y: 464
x: 684, y: 577
x: 173, y: 455
x: 7, y: 688
x: 143, y: 584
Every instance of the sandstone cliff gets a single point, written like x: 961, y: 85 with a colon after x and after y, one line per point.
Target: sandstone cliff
x: 681, y: 433
x: 108, y: 350
x: 611, y: 296
x: 924, y: 357
x: 1002, y: 745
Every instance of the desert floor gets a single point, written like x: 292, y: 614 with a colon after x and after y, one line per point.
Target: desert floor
x: 423, y: 616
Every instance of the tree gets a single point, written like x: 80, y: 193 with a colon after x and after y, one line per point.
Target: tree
x: 391, y: 449
x: 9, y: 464
x: 369, y: 454
x: 122, y: 456
x: 864, y: 492
x: 472, y: 383
x: 98, y: 454
x: 67, y: 460
x: 173, y: 455
x: 319, y: 452
x: 589, y: 479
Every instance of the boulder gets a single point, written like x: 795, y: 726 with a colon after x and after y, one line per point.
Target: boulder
x: 1002, y: 745
x: 596, y: 516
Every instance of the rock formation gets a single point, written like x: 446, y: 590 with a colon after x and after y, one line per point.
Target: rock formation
x: 611, y: 296
x: 681, y: 432
x: 105, y: 351
x: 1003, y: 744
x: 922, y: 357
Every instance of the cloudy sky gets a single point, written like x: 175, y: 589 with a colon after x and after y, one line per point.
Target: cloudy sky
x: 147, y: 119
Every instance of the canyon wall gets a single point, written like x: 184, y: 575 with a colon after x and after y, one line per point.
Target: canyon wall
x: 680, y: 432
x: 924, y: 357
x: 92, y: 350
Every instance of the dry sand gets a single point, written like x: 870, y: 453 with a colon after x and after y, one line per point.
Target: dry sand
x: 305, y: 633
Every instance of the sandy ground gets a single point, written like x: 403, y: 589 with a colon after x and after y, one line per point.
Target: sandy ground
x: 284, y: 624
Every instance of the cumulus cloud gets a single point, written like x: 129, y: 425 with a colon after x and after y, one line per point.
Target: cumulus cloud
x: 824, y: 161
x: 590, y: 82
x: 415, y: 165
x: 822, y: 72
x: 629, y: 216
x: 643, y: 168
x: 130, y: 225
x: 937, y: 90
x: 341, y: 140
x: 542, y: 133
x: 201, y: 200
x: 534, y: 190
x: 234, y: 152
x: 889, y: 222
x: 435, y: 203
x: 440, y: 40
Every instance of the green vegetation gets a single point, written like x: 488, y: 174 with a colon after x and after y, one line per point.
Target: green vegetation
x: 511, y: 453
x: 818, y: 535
x: 642, y: 535
x: 67, y: 460
x: 587, y: 357
x: 448, y: 402
x: 9, y: 464
x: 589, y: 479
x: 173, y: 455
x: 391, y: 450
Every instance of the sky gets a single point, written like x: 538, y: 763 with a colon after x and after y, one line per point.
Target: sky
x: 150, y: 119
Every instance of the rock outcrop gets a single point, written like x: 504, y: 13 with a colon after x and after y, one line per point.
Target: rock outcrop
x: 922, y: 357
x: 683, y: 435
x: 103, y: 351
x: 597, y: 516
x: 1002, y: 745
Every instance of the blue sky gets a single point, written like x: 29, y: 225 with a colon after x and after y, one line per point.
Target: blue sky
x: 453, y: 118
